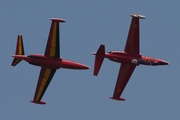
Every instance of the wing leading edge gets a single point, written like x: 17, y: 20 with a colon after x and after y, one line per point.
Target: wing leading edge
x: 45, y: 77
x: 52, y: 47
x: 125, y: 73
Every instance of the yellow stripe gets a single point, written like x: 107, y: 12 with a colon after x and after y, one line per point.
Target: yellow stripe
x: 53, y: 42
x: 20, y: 45
x: 43, y: 83
x: 15, y: 61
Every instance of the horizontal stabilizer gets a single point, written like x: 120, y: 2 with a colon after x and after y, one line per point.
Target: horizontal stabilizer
x: 99, y: 59
x: 120, y: 99
x: 15, y: 61
x: 38, y: 102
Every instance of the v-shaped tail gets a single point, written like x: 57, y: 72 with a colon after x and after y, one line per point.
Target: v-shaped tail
x: 19, y: 50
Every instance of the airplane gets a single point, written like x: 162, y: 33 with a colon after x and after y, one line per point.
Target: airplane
x: 129, y: 58
x: 49, y: 62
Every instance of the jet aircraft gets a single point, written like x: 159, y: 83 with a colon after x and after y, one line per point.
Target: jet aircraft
x: 49, y: 62
x: 129, y: 58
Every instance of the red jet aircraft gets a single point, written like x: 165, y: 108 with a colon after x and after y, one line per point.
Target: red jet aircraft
x: 49, y: 62
x: 129, y: 58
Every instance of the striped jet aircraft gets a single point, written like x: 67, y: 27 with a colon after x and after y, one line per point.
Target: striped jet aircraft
x: 49, y: 62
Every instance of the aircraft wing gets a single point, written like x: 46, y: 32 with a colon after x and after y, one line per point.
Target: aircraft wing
x: 52, y: 47
x: 45, y: 77
x: 125, y: 73
x: 132, y: 43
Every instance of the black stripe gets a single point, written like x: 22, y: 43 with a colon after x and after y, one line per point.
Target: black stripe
x: 47, y: 83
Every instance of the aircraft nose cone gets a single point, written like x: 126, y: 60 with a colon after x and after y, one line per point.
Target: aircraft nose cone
x: 86, y: 67
x: 163, y: 63
x: 166, y: 63
x: 83, y: 66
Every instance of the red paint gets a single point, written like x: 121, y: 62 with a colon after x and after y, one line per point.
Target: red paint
x: 129, y: 58
x: 49, y: 62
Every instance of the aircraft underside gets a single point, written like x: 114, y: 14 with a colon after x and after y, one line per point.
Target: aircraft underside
x: 54, y: 64
x: 143, y: 60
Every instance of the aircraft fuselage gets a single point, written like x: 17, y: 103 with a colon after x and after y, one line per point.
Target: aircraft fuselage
x: 123, y: 57
x: 50, y: 62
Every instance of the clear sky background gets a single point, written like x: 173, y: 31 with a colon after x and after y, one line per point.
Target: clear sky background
x: 152, y: 92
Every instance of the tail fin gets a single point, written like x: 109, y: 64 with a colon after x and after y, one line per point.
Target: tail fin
x: 19, y: 50
x: 99, y: 59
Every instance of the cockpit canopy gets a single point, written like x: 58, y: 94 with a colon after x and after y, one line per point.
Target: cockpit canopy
x: 36, y: 56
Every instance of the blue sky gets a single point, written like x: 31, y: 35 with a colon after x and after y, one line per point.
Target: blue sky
x: 152, y: 92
